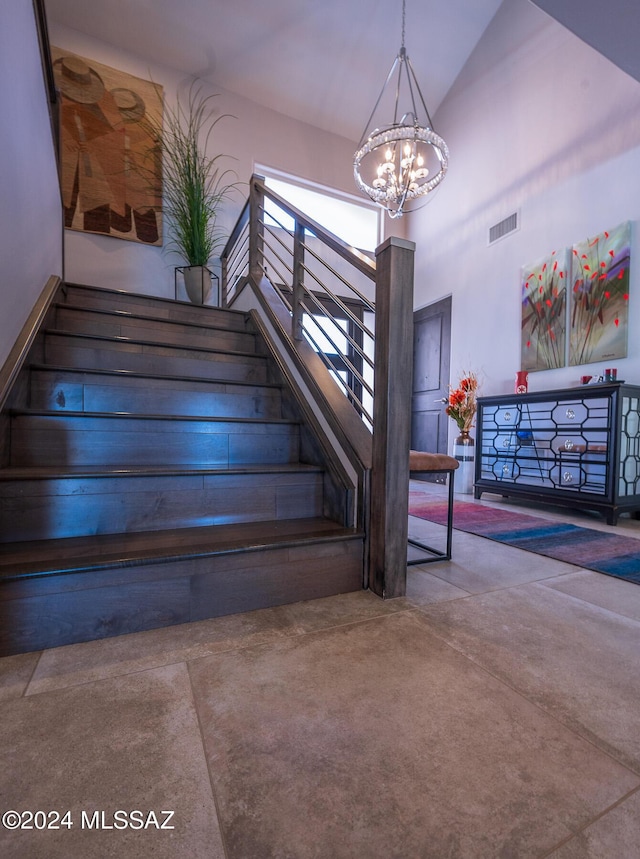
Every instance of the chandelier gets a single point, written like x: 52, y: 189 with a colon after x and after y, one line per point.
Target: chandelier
x: 405, y: 159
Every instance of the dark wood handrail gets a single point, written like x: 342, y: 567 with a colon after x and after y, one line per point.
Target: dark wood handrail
x: 357, y: 258
x: 45, y: 50
x: 17, y: 356
x: 47, y: 70
x: 240, y: 224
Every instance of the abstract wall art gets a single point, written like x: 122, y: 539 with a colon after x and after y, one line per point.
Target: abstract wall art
x: 543, y: 324
x: 111, y: 162
x: 599, y: 300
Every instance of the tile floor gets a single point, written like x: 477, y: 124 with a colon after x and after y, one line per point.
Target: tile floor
x: 492, y: 713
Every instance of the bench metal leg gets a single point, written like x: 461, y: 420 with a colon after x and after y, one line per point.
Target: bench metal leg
x: 437, y: 554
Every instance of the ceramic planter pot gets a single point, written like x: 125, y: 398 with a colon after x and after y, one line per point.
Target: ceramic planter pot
x: 197, y: 282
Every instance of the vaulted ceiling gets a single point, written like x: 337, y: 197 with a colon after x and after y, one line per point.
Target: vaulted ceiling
x: 321, y: 61
x: 325, y: 61
x: 612, y: 27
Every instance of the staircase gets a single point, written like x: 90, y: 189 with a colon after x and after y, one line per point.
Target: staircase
x: 157, y: 471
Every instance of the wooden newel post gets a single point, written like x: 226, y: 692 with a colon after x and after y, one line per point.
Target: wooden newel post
x: 389, y: 508
x: 256, y: 230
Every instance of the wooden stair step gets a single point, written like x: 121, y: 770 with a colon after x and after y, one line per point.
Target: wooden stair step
x: 111, y: 353
x: 124, y: 323
x: 151, y: 305
x: 52, y: 472
x: 82, y: 589
x: 59, y: 388
x: 49, y: 503
x: 106, y: 551
x: 85, y: 438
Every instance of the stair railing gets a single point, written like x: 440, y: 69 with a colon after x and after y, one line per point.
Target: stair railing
x: 327, y: 286
x: 329, y: 290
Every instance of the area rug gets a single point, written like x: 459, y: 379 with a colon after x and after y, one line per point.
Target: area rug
x: 613, y: 554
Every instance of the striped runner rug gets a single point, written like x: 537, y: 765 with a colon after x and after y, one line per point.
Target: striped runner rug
x: 613, y: 554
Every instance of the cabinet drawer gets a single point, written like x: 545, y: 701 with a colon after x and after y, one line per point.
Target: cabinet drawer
x: 588, y: 441
x: 527, y: 465
x: 507, y: 416
x: 579, y: 473
x: 581, y: 413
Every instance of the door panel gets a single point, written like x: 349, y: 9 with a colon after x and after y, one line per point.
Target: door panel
x: 431, y: 363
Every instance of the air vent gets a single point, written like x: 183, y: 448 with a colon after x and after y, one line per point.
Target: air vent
x: 499, y: 231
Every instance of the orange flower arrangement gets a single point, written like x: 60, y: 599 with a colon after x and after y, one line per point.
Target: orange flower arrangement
x: 461, y: 402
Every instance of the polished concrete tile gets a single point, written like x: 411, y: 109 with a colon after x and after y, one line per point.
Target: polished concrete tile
x: 490, y: 714
x: 574, y: 659
x: 96, y: 660
x: 425, y: 588
x: 479, y: 565
x: 15, y: 673
x: 376, y: 740
x: 354, y: 607
x: 616, y: 835
x: 130, y: 743
x: 605, y: 591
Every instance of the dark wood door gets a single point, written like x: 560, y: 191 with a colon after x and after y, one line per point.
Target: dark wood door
x: 431, y: 363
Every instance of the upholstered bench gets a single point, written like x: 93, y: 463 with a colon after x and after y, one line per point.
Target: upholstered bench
x: 434, y: 463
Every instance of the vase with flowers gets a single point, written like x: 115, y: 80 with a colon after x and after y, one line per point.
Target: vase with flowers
x: 461, y: 405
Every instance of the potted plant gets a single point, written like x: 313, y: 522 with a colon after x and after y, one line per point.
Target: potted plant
x: 193, y: 188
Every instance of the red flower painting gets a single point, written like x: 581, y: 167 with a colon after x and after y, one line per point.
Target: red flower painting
x: 544, y: 289
x: 599, y: 301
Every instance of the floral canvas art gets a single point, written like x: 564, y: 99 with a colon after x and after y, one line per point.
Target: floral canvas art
x: 599, y: 309
x: 543, y: 293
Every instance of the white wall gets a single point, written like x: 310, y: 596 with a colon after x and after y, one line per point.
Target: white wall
x: 30, y: 239
x: 537, y: 122
x: 255, y: 135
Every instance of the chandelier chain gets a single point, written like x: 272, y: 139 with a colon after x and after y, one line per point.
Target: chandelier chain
x: 404, y: 2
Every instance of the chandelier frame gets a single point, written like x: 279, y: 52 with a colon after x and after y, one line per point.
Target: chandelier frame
x: 398, y: 183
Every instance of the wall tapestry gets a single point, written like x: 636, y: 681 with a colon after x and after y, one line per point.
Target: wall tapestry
x: 544, y: 291
x: 599, y: 302
x: 111, y: 162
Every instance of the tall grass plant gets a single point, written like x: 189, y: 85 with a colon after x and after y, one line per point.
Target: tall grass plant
x: 194, y: 185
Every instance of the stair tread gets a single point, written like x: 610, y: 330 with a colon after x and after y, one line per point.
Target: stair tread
x: 73, y: 472
x: 80, y: 554
x: 64, y: 413
x: 130, y: 315
x: 119, y: 338
x: 138, y: 374
x: 160, y: 299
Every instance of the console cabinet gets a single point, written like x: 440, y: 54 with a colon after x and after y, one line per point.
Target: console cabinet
x: 578, y: 447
